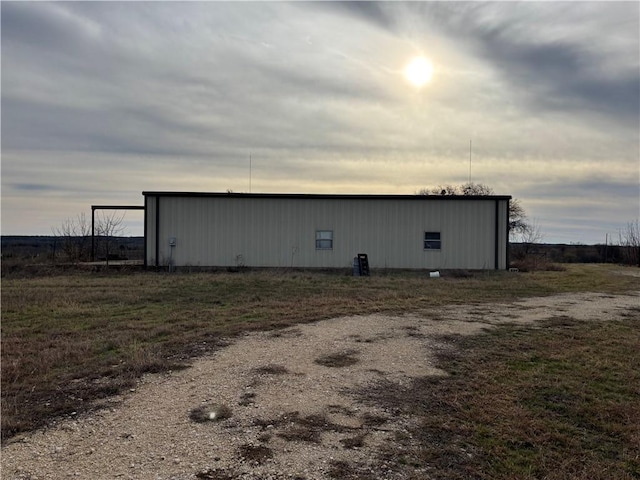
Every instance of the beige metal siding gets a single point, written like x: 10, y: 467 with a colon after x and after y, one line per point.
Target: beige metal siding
x: 280, y: 232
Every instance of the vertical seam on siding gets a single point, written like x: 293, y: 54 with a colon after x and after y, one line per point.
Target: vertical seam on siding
x: 506, y: 241
x: 157, y: 230
x: 145, y: 231
x: 497, y: 239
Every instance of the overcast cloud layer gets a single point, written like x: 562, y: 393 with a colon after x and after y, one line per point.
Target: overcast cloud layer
x: 101, y: 101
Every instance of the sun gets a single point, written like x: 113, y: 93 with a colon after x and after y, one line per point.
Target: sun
x: 419, y: 71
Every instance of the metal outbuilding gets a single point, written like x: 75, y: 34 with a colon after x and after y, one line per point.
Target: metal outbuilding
x: 325, y: 231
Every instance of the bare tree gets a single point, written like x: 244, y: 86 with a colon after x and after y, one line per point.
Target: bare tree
x: 74, y: 236
x: 630, y: 241
x: 528, y: 237
x: 440, y: 190
x: 525, y: 254
x: 518, y: 224
x: 469, y: 188
x: 108, y: 226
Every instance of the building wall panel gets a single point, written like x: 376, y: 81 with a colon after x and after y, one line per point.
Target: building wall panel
x: 276, y: 231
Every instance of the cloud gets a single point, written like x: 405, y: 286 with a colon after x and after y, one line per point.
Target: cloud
x: 103, y: 100
x: 231, y: 92
x: 546, y: 53
x: 34, y: 187
x: 559, y: 76
x: 48, y: 24
x: 376, y: 13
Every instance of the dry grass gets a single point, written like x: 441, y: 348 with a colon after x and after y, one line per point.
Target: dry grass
x: 271, y: 369
x: 255, y: 454
x: 524, y: 403
x: 309, y: 428
x: 354, y: 442
x: 215, y: 474
x: 71, y: 341
x: 349, y: 471
x: 337, y: 360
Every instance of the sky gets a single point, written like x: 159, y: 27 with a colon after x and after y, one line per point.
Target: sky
x: 101, y: 101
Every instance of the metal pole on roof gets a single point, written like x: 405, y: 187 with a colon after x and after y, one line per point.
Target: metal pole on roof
x: 93, y: 238
x: 469, y: 160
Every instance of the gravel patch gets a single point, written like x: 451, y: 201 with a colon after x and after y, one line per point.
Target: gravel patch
x: 284, y: 397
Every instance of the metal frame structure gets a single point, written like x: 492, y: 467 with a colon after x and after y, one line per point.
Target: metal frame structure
x: 93, y: 221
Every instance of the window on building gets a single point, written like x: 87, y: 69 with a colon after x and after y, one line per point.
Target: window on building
x: 432, y: 241
x: 324, y: 239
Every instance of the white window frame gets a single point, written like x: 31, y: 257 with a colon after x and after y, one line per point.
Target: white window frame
x: 324, y: 239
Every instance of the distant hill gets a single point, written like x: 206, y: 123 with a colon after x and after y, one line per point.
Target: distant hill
x: 571, y: 253
x: 23, y: 247
x: 43, y: 248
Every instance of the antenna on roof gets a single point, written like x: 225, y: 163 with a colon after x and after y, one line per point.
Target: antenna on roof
x: 469, y: 160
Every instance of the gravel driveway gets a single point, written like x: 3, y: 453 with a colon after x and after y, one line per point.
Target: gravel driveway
x: 287, y: 393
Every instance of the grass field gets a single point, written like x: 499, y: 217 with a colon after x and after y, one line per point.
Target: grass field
x: 71, y: 341
x: 556, y: 403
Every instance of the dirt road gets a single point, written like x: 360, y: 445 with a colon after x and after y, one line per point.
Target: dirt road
x: 289, y: 392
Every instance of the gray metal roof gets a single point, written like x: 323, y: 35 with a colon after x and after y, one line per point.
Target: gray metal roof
x: 312, y: 196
